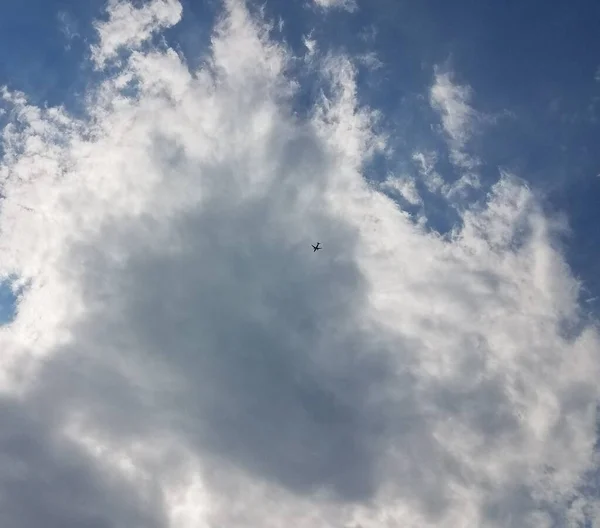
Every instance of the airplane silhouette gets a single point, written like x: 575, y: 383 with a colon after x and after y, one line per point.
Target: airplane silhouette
x: 316, y: 248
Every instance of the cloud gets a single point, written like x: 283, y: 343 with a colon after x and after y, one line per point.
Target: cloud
x: 452, y: 101
x: 459, y: 118
x: 46, y: 479
x: 426, y: 162
x: 404, y: 186
x: 129, y: 27
x: 176, y: 334
x: 347, y: 5
x: 370, y: 61
x: 68, y: 26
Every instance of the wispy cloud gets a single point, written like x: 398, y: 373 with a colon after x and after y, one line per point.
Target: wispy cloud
x: 459, y: 118
x: 348, y: 5
x: 426, y: 162
x: 452, y: 101
x: 405, y: 186
x: 68, y: 26
x: 180, y: 357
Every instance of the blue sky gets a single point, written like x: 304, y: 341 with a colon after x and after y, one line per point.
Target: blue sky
x: 179, y: 358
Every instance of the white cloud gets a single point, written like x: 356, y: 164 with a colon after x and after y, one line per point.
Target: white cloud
x: 452, y: 100
x: 179, y: 335
x: 426, y: 162
x: 347, y: 5
x: 370, y: 61
x: 405, y: 186
x: 128, y: 27
x: 310, y: 45
x: 459, y: 118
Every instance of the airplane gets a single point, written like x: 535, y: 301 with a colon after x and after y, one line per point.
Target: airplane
x: 316, y: 248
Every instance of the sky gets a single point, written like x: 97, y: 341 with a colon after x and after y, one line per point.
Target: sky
x: 175, y: 355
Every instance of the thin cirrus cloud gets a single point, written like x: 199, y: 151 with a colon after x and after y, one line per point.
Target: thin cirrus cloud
x: 347, y: 5
x: 201, y: 367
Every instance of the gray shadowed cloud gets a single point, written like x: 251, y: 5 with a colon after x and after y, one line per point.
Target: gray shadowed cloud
x: 47, y: 480
x: 263, y: 337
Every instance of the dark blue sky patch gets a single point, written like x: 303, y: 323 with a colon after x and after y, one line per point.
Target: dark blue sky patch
x: 580, y: 199
x: 45, y: 44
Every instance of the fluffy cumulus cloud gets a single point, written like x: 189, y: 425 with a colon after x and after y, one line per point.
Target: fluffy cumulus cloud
x: 180, y: 357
